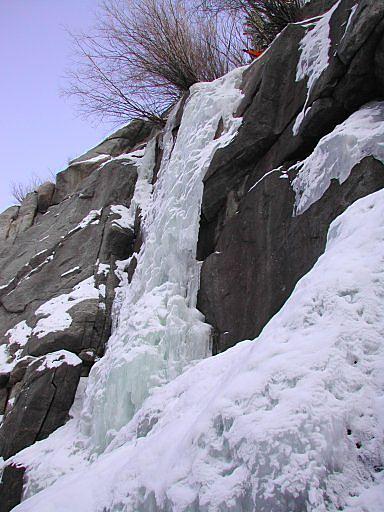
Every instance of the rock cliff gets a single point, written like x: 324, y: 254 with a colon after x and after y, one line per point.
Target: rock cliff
x: 160, y: 247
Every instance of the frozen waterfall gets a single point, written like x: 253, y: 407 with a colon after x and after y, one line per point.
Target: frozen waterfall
x: 158, y: 331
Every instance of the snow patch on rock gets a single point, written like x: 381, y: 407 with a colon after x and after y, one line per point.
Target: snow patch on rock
x: 56, y: 359
x: 55, y: 311
x: 314, y: 58
x: 361, y: 135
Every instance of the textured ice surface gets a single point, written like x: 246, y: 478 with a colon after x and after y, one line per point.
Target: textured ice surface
x: 361, y: 135
x: 313, y: 60
x: 159, y: 331
x: 292, y: 421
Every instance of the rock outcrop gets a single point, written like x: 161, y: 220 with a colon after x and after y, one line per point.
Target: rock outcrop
x: 254, y: 251
x: 57, y: 285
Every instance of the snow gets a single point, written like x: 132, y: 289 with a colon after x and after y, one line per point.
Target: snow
x: 278, y: 169
x: 5, y: 365
x: 93, y: 217
x: 361, y: 135
x: 56, y: 359
x: 70, y: 271
x: 313, y: 60
x: 353, y: 10
x: 19, y: 334
x: 55, y: 311
x: 99, y: 158
x: 125, y: 220
x: 39, y: 267
x: 273, y: 424
x: 103, y: 268
x: 3, y: 286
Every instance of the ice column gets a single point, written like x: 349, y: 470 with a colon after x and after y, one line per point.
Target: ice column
x: 159, y: 330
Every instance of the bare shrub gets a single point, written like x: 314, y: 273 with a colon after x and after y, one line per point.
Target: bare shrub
x: 144, y: 54
x: 263, y: 19
x: 20, y: 190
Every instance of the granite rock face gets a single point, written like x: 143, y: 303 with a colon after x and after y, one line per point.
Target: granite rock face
x: 253, y: 250
x: 58, y: 257
x: 42, y: 403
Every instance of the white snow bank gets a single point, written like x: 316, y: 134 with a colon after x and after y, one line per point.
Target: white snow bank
x: 291, y: 421
x: 56, y: 359
x: 55, y: 311
x: 361, y: 135
x: 314, y: 58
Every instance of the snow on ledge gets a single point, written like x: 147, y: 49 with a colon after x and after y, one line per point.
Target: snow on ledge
x: 361, y: 135
x: 55, y: 311
x: 93, y: 217
x: 56, y: 359
x: 19, y: 334
x: 125, y: 220
x: 99, y: 158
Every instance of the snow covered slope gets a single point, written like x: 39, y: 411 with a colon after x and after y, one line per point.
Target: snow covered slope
x: 290, y: 421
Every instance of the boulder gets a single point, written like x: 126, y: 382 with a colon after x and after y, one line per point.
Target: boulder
x: 11, y: 487
x: 122, y: 141
x: 25, y: 216
x: 6, y: 219
x: 18, y: 371
x: 42, y: 405
x: 44, y: 196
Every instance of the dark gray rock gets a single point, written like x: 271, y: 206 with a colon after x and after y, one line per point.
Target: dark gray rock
x: 4, y: 378
x: 316, y: 7
x: 122, y: 141
x: 43, y: 403
x: 11, y: 487
x: 18, y: 371
x: 263, y: 251
x: 44, y: 196
x: 58, y: 250
x: 76, y: 337
x: 88, y: 356
x: 25, y: 216
x: 273, y: 99
x: 6, y: 219
x: 3, y: 400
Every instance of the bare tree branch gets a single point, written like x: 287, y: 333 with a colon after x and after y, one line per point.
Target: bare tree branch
x: 143, y: 55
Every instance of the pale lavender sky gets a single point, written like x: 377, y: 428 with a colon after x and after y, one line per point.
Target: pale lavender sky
x: 39, y: 130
